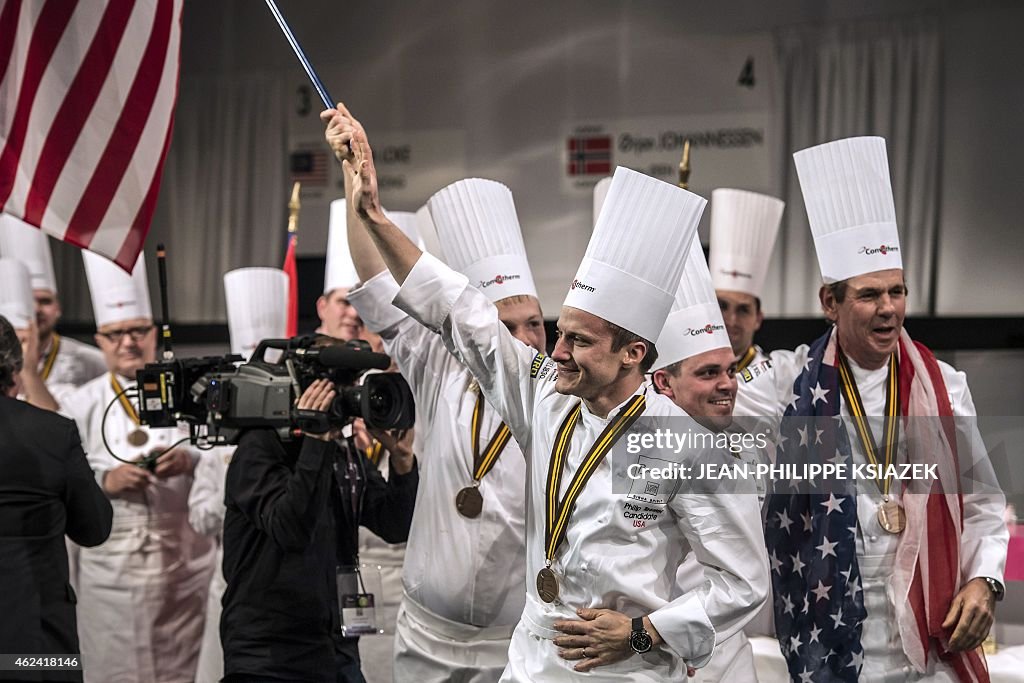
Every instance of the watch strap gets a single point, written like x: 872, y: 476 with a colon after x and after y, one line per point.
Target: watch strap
x: 638, y: 624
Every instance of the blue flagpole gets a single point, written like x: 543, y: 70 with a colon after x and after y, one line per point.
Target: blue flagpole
x: 317, y: 83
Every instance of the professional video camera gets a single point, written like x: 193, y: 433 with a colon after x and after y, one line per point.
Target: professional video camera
x: 218, y: 400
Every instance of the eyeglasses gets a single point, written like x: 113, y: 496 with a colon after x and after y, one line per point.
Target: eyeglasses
x: 137, y: 334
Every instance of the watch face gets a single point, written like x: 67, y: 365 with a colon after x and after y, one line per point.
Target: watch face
x: 640, y: 641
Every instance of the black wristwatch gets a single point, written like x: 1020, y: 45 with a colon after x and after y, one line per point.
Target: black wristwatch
x: 997, y: 588
x: 639, y: 638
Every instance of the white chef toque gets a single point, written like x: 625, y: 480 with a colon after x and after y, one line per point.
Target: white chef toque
x: 116, y: 295
x: 479, y: 232
x: 31, y: 246
x: 257, y: 300
x: 695, y: 324
x: 16, y: 301
x: 744, y: 226
x: 634, y: 262
x: 849, y: 202
x: 428, y: 234
x: 339, y: 270
x: 600, y: 192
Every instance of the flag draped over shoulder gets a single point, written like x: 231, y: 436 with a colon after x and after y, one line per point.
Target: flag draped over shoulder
x: 811, y: 536
x: 87, y: 95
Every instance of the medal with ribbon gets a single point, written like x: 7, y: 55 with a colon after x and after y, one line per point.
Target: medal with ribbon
x: 51, y: 357
x: 891, y: 515
x: 469, y: 501
x: 137, y: 437
x: 557, y: 512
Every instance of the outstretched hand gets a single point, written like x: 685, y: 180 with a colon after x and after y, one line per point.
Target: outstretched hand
x: 341, y: 126
x: 348, y: 141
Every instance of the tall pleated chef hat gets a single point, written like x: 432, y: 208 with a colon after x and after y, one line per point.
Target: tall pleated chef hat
x: 116, y: 295
x: 695, y: 324
x: 408, y: 223
x: 744, y: 226
x: 339, y: 270
x: 479, y: 232
x: 600, y: 192
x: 850, y: 207
x: 428, y: 234
x: 31, y: 246
x: 634, y: 262
x: 257, y: 300
x: 16, y: 301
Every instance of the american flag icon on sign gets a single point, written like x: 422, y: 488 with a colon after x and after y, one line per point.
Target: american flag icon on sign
x: 309, y: 167
x: 590, y: 155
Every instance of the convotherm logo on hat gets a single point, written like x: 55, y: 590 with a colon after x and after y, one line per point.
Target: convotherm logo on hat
x: 883, y: 249
x: 497, y: 280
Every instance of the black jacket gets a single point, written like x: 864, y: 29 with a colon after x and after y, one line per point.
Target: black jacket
x: 289, y: 523
x: 47, y: 490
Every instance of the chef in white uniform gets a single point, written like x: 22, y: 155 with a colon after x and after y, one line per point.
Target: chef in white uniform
x: 257, y: 305
x: 17, y: 305
x: 852, y: 215
x: 744, y: 226
x: 142, y: 594
x: 64, y: 363
x: 696, y: 370
x: 603, y: 585
x: 464, y: 569
x: 381, y: 562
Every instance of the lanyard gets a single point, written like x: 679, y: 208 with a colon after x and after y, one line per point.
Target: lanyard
x: 853, y: 400
x: 484, y: 462
x: 745, y: 360
x: 51, y: 357
x: 373, y: 452
x: 559, y: 511
x: 129, y: 409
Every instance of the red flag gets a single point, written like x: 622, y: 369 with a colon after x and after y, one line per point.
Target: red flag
x: 88, y: 92
x: 289, y: 268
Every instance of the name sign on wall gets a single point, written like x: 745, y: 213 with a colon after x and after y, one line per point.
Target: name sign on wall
x: 411, y: 166
x: 726, y: 150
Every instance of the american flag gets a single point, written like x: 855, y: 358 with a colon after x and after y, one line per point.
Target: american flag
x: 87, y: 95
x: 811, y: 536
x: 309, y: 167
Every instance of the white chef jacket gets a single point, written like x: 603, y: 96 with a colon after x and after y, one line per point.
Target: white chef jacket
x: 206, y: 515
x: 604, y: 562
x: 142, y: 593
x: 469, y: 571
x: 76, y: 363
x: 983, y: 541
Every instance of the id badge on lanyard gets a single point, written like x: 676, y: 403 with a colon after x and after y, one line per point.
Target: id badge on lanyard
x: 356, y: 601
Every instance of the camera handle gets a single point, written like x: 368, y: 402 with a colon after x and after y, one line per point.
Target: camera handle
x: 311, y: 421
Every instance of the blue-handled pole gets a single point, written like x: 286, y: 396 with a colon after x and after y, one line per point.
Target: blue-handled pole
x: 328, y: 102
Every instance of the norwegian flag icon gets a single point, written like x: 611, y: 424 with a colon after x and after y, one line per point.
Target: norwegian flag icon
x: 590, y: 155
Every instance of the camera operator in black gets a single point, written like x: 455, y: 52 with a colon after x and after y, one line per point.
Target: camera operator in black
x: 293, y: 511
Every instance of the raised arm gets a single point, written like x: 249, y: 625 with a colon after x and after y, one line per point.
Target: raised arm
x: 341, y: 127
x: 440, y: 299
x: 398, y: 252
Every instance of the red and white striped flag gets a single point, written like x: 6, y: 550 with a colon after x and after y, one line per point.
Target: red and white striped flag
x: 87, y: 94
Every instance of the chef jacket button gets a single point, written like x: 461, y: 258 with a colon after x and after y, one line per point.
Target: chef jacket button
x: 873, y: 538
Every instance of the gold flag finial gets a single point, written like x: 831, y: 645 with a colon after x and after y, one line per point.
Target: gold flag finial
x: 293, y: 209
x: 684, y: 166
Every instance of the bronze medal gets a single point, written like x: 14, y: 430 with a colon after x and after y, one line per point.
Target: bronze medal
x: 138, y: 438
x: 547, y: 585
x: 469, y: 502
x: 892, y: 517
